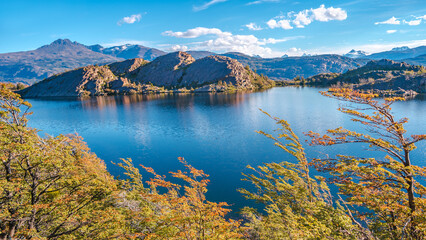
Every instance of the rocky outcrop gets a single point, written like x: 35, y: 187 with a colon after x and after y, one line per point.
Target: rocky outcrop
x: 90, y: 80
x: 165, y: 70
x: 221, y: 68
x: 127, y: 67
x: 174, y: 72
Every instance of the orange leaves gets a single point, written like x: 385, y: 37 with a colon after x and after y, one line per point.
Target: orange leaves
x: 324, y: 140
x: 181, y: 210
x: 389, y: 188
x: 348, y: 93
x: 394, y: 99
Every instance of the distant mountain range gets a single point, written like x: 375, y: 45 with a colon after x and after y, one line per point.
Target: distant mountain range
x: 290, y: 67
x: 63, y: 55
x: 397, y: 54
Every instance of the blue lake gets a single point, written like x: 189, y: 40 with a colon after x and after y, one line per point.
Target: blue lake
x: 213, y: 132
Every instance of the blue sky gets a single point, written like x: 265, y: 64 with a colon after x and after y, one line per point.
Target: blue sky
x: 264, y: 27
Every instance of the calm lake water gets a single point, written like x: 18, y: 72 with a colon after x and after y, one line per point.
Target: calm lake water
x: 213, y: 132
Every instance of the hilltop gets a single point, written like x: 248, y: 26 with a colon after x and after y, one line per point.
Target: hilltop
x: 174, y: 72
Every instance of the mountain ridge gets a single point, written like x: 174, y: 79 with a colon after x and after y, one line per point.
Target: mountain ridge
x: 45, y: 61
x: 62, y: 55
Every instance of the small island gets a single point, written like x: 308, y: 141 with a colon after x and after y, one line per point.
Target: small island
x: 174, y: 72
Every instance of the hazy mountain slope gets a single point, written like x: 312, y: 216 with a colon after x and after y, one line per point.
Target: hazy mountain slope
x: 290, y: 67
x: 129, y: 51
x: 59, y: 56
x: 419, y: 60
x: 200, y: 54
x: 399, y: 53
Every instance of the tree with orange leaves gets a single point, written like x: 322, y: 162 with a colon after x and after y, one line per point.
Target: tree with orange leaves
x: 386, y: 192
x: 165, y: 210
x: 53, y: 187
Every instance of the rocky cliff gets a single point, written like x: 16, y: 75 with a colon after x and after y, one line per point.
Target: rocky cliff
x: 89, y: 80
x: 177, y: 71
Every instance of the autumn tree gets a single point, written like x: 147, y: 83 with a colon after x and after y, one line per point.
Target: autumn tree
x: 296, y: 205
x: 165, y: 210
x: 50, y: 188
x: 386, y: 192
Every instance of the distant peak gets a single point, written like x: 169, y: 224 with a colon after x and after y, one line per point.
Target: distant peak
x: 62, y: 42
x: 403, y: 48
x: 355, y: 53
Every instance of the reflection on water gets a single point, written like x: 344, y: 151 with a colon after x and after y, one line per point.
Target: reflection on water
x: 178, y: 100
x: 214, y: 132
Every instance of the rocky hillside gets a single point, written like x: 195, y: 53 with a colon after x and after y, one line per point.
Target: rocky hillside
x: 176, y: 71
x: 290, y: 67
x: 59, y: 56
x: 379, y: 75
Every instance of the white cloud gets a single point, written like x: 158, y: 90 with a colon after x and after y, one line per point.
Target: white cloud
x: 227, y: 42
x: 323, y: 14
x: 422, y: 17
x: 130, y: 20
x: 253, y: 27
x: 176, y: 48
x: 284, y: 24
x: 295, y: 52
x: 261, y: 1
x: 207, y: 5
x: 392, y: 21
x: 413, y: 22
x: 391, y: 31
x: 307, y: 16
x: 196, y: 32
x: 302, y: 19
